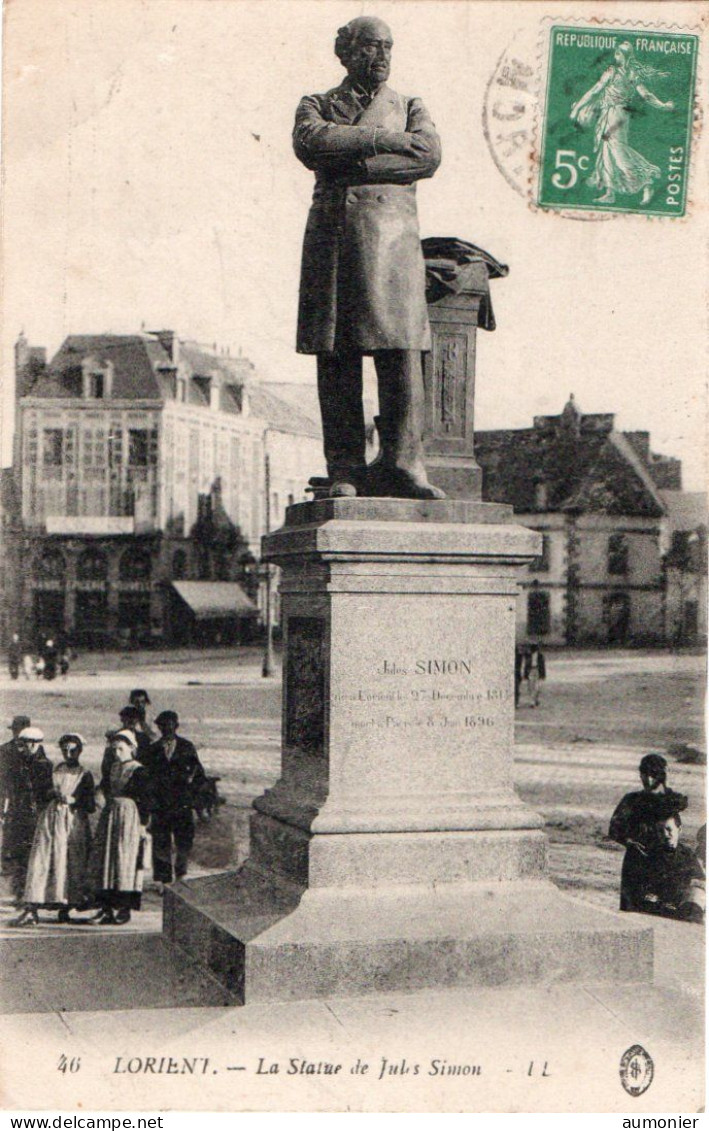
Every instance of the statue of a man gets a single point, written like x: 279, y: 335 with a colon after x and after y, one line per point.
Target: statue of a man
x: 362, y: 288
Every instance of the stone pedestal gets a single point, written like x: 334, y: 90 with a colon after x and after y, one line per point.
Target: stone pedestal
x: 393, y: 853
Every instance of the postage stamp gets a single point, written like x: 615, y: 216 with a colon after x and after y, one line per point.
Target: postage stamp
x: 617, y: 120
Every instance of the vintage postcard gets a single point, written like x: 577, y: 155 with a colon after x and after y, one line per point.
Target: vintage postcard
x: 353, y: 575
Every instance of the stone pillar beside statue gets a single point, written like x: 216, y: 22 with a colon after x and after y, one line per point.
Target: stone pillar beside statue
x: 458, y: 277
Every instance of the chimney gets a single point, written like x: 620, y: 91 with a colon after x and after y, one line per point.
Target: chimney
x: 169, y: 342
x: 29, y: 363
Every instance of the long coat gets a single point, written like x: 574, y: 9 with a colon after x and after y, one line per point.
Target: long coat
x: 26, y: 785
x: 362, y: 283
x: 175, y: 781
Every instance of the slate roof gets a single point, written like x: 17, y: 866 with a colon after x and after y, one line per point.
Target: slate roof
x: 585, y: 465
x: 134, y: 359
x: 280, y: 416
x: 143, y: 370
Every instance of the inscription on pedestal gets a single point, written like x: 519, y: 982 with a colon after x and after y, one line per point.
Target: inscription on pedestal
x: 305, y: 683
x: 427, y: 693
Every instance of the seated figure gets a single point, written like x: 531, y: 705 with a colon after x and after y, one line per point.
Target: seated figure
x: 633, y: 825
x: 674, y: 884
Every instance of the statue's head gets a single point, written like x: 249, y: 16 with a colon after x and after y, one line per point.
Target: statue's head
x: 364, y: 46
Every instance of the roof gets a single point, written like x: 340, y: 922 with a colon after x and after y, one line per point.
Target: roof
x: 687, y: 510
x: 282, y: 416
x: 584, y: 464
x: 214, y: 599
x: 133, y: 358
x: 304, y: 396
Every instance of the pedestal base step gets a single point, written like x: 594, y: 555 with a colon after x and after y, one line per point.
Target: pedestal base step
x: 267, y: 943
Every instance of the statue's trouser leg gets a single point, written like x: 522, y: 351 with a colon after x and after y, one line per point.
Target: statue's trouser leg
x: 401, y: 409
x: 340, y: 394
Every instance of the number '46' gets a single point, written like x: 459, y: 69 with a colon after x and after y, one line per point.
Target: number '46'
x: 68, y: 1064
x: 568, y: 160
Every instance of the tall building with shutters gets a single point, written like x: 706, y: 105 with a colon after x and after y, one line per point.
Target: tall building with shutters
x: 140, y: 465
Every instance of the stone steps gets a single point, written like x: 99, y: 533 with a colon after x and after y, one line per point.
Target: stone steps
x: 51, y: 972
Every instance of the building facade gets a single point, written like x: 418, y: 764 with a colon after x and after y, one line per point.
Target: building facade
x: 686, y: 568
x: 140, y: 461
x: 595, y: 494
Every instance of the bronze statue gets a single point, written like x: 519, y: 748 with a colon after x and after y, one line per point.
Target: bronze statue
x: 362, y: 287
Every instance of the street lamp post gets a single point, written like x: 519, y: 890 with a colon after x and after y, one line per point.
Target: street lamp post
x: 267, y: 666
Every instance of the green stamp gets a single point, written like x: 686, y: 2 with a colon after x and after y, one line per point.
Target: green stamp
x: 618, y: 120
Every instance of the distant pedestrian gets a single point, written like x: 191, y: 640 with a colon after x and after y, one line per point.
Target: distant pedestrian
x: 535, y: 671
x: 25, y: 788
x: 50, y: 656
x: 121, y: 849
x: 39, y: 666
x: 27, y: 665
x: 57, y: 873
x: 177, y: 776
x: 633, y: 826
x: 64, y: 663
x: 519, y: 669
x: 14, y: 656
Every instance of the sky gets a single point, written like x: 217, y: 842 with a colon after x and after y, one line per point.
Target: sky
x: 150, y: 182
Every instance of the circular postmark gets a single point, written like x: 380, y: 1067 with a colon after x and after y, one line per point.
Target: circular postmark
x: 636, y: 1070
x: 509, y: 112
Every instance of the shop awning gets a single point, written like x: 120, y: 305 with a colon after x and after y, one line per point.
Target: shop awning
x: 211, y: 600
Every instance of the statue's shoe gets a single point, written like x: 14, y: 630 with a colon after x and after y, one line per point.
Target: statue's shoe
x: 342, y: 489
x: 403, y: 483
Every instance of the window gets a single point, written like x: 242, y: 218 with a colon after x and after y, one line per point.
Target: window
x: 538, y: 613
x: 616, y: 610
x: 179, y: 565
x: 542, y: 563
x: 181, y: 389
x: 53, y: 447
x: 96, y: 386
x: 51, y: 566
x: 135, y: 565
x: 92, y: 566
x: 138, y: 447
x: 134, y: 614
x: 617, y: 554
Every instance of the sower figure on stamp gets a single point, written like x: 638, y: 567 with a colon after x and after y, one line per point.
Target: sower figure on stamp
x: 362, y: 289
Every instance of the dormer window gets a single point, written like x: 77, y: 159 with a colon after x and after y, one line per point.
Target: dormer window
x: 541, y: 496
x: 97, y: 378
x: 96, y: 386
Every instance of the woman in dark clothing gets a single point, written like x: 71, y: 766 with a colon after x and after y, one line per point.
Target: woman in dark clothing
x: 122, y: 839
x: 633, y: 825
